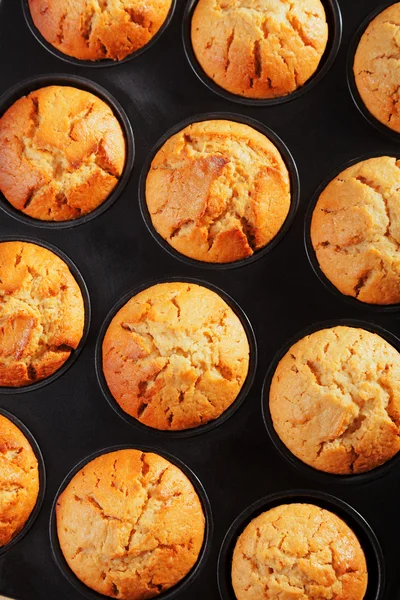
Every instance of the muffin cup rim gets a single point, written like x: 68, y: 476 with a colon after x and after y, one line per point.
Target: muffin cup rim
x: 337, y: 506
x: 31, y: 84
x: 327, y: 59
x: 286, y: 155
x: 323, y: 477
x: 243, y: 392
x: 108, y: 62
x: 77, y: 275
x: 309, y: 248
x: 42, y: 480
x: 201, y: 492
x: 351, y: 81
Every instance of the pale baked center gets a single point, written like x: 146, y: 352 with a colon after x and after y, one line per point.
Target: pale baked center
x: 218, y: 191
x: 335, y: 400
x: 377, y: 67
x: 130, y: 525
x: 355, y: 231
x: 298, y: 551
x: 259, y: 48
x: 41, y: 313
x: 175, y: 356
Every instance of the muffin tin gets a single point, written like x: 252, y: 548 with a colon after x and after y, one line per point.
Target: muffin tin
x: 236, y: 462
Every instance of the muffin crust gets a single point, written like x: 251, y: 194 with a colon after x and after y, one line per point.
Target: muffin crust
x: 41, y: 313
x: 298, y: 551
x: 130, y: 525
x: 97, y: 29
x: 259, y: 49
x: 175, y: 356
x: 19, y: 480
x: 218, y: 191
x: 355, y: 231
x: 62, y: 151
x: 376, y: 67
x: 335, y: 400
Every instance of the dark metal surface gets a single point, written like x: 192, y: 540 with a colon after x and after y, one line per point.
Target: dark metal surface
x: 236, y: 462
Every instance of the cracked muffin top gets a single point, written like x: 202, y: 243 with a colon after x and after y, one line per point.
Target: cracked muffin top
x: 62, y: 152
x: 259, y: 48
x: 42, y: 313
x: 175, y: 356
x: 99, y: 29
x: 355, y: 231
x: 130, y: 524
x: 299, y: 551
x: 19, y: 480
x: 376, y: 67
x: 335, y: 400
x: 218, y: 191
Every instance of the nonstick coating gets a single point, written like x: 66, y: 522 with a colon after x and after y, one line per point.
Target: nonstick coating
x: 236, y: 462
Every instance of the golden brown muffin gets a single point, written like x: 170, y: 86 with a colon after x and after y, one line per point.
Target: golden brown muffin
x: 355, y: 231
x: 298, y: 552
x: 42, y: 313
x: 62, y: 152
x: 19, y: 480
x: 98, y: 29
x: 130, y: 525
x: 175, y: 356
x: 218, y: 191
x: 259, y: 49
x: 335, y: 400
x: 376, y: 67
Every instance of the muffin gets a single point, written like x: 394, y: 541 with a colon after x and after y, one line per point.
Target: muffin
x: 218, y: 191
x: 19, y: 480
x: 130, y: 525
x: 175, y: 356
x: 257, y: 49
x: 62, y: 152
x: 97, y: 29
x: 335, y: 400
x: 298, y: 551
x: 376, y: 67
x: 42, y: 313
x: 355, y: 231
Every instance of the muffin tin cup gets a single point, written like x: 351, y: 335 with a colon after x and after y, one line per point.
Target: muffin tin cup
x: 322, y: 477
x: 286, y: 157
x: 311, y: 255
x: 108, y: 62
x: 87, y: 306
x: 363, y: 531
x: 30, y: 85
x: 181, y: 586
x: 334, y: 19
x: 185, y: 433
x: 42, y: 482
x: 393, y: 135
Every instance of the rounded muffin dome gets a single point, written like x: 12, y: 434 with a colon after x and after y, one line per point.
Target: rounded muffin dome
x: 42, y: 313
x: 62, y: 152
x: 299, y: 551
x: 355, y: 231
x: 19, y: 480
x: 175, y: 356
x: 97, y: 29
x: 335, y: 400
x: 376, y: 67
x: 130, y: 524
x: 259, y: 49
x: 217, y: 191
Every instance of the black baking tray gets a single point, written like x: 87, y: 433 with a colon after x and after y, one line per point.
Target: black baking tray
x: 236, y: 462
